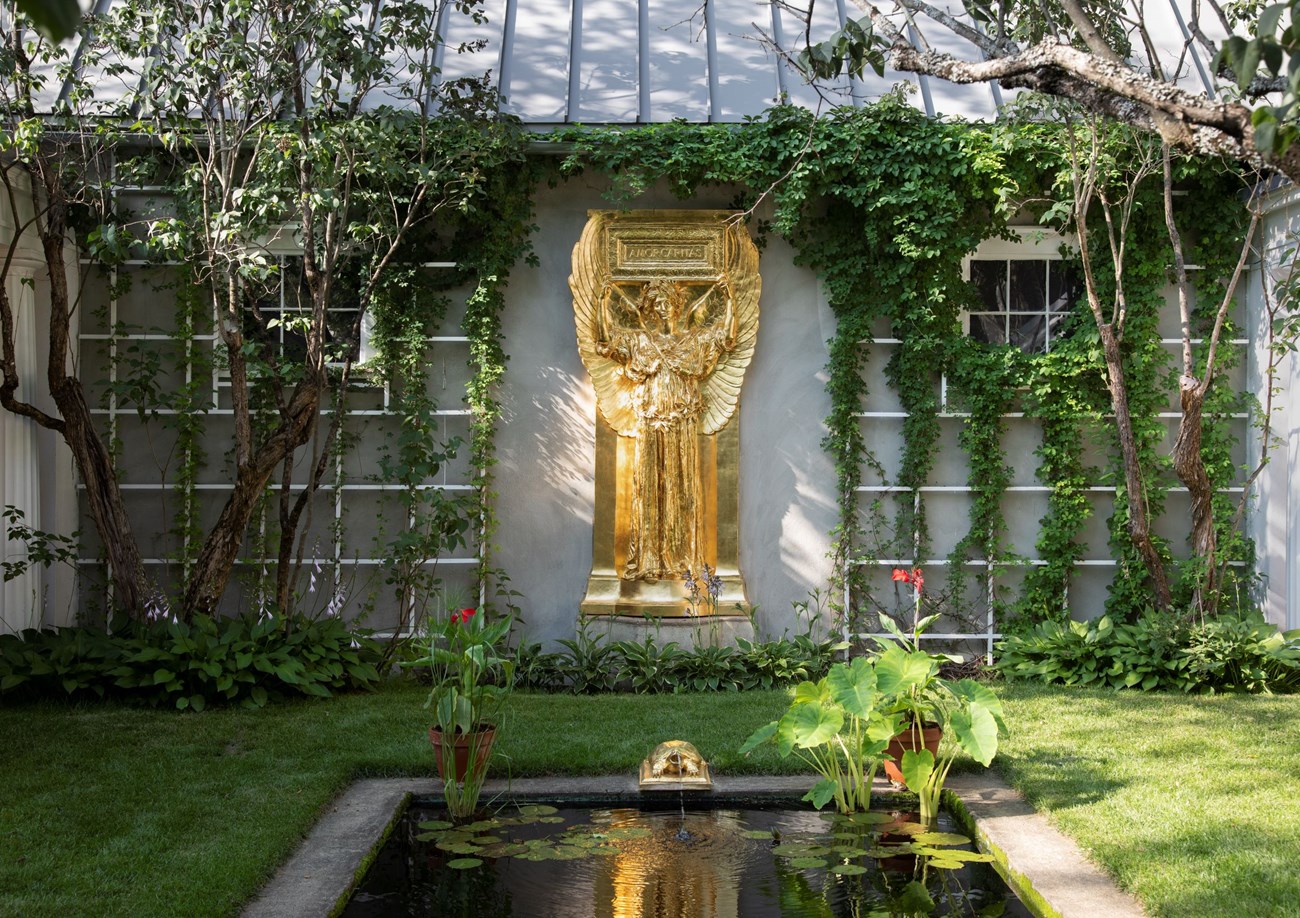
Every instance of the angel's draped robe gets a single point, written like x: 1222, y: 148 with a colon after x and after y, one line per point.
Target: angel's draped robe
x: 667, y: 370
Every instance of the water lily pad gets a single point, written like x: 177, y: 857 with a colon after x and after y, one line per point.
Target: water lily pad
x: 941, y: 838
x: 463, y: 848
x: 848, y: 870
x: 948, y: 854
x: 807, y: 862
x: 537, y: 809
x: 907, y: 828
x: 464, y: 863
x: 567, y: 853
x: 848, y: 851
x: 891, y: 850
x: 506, y: 849
x: 793, y: 850
x: 943, y: 863
x: 482, y: 825
x: 486, y: 839
x: 757, y: 833
x: 434, y: 825
x: 554, y: 820
x: 581, y: 841
x: 603, y: 850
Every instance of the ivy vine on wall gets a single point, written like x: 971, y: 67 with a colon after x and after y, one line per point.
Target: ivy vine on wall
x: 884, y: 204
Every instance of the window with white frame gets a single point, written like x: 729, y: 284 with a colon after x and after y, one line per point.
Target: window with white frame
x: 281, y: 317
x: 1025, y: 291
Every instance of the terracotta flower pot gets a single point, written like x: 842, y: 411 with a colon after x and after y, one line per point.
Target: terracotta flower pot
x: 931, y: 734
x: 480, y: 741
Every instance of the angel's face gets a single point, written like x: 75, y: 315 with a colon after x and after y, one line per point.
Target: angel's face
x: 660, y: 304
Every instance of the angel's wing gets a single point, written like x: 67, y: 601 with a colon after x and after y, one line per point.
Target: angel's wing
x: 721, y: 389
x: 587, y: 282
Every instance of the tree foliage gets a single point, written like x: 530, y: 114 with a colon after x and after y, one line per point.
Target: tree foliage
x: 1110, y: 56
x: 325, y: 126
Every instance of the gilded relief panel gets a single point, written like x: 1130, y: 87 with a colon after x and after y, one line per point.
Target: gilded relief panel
x: 666, y: 308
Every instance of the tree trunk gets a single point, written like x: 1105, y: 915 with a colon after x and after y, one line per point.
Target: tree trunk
x: 220, y: 550
x: 1190, y: 467
x: 95, y: 465
x: 1139, y: 525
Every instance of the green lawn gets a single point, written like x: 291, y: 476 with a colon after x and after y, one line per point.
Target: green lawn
x: 107, y: 810
x: 1192, y: 803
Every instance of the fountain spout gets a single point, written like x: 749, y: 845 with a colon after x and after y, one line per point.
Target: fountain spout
x: 675, y: 765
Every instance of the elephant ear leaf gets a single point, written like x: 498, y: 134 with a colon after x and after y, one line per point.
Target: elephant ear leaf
x: 916, y: 766
x: 853, y: 686
x: 898, y: 670
x: 977, y: 695
x: 760, y: 736
x: 821, y: 793
x: 977, y: 732
x: 814, y: 724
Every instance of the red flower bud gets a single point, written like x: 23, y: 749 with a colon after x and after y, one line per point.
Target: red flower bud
x: 901, y: 575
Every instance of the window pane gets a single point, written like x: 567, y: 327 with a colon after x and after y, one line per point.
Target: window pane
x: 1029, y: 333
x: 1028, y: 286
x: 990, y: 329
x: 1063, y: 288
x: 990, y: 279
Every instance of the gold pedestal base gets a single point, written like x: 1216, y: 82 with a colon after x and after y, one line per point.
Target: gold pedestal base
x: 607, y: 594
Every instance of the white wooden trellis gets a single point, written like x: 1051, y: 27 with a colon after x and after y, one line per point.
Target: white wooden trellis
x: 990, y: 635
x: 113, y: 412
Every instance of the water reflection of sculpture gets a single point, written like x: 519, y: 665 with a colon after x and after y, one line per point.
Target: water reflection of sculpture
x: 666, y: 351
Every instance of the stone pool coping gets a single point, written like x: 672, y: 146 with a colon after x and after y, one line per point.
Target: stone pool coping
x: 1047, y: 870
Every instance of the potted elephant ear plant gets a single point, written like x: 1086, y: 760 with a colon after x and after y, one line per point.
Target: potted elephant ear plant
x: 837, y: 728
x: 909, y: 678
x: 972, y: 718
x: 930, y: 707
x: 472, y: 676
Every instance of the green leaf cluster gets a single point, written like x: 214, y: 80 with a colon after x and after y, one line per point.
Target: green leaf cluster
x: 588, y: 664
x: 245, y: 661
x: 1229, y: 653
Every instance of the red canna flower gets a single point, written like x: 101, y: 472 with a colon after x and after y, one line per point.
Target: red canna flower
x: 463, y: 615
x: 901, y: 575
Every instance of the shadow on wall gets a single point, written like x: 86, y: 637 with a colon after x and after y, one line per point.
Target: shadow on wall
x: 563, y: 407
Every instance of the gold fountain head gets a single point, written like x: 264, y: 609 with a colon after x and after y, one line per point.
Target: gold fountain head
x: 675, y: 765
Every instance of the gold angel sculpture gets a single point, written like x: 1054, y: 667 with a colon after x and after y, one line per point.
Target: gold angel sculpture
x: 667, y: 317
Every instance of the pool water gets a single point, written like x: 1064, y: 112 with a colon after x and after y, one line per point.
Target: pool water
x: 621, y: 862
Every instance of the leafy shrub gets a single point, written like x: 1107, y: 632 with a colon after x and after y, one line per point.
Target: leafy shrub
x: 242, y: 661
x: 542, y: 672
x: 647, y: 666
x: 785, y: 661
x: 708, y: 669
x: 1243, y: 654
x: 1229, y: 653
x: 589, y: 664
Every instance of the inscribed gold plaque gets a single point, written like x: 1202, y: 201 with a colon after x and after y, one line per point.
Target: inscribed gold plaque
x: 666, y: 307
